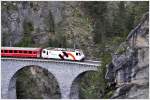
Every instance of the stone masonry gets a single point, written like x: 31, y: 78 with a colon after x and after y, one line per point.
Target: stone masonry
x: 65, y: 73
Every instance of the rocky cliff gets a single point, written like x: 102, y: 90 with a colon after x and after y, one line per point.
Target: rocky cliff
x: 129, y: 69
x: 94, y: 27
x: 20, y: 18
x: 42, y: 24
x: 84, y: 25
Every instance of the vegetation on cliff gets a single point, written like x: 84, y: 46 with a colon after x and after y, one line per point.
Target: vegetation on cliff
x: 108, y: 38
x: 36, y: 83
x: 96, y: 27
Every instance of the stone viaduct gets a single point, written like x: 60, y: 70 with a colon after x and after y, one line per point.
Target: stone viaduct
x: 65, y: 72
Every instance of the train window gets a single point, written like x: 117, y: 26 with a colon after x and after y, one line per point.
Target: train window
x: 25, y: 51
x: 15, y: 51
x: 1, y: 51
x: 30, y: 52
x: 43, y: 51
x: 20, y: 51
x: 77, y: 54
x: 5, y: 51
x: 10, y: 51
x: 34, y: 52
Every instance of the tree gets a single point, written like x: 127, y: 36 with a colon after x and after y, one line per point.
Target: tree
x: 97, y: 12
x: 120, y: 18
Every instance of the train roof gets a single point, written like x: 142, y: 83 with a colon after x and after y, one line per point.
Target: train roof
x: 19, y: 48
x: 62, y: 49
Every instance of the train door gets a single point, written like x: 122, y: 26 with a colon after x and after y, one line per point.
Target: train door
x: 45, y: 53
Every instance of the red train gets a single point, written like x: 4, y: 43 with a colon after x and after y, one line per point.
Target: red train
x: 20, y: 52
x: 53, y: 53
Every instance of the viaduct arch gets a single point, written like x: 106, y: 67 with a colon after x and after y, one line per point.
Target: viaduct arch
x: 65, y: 73
x: 12, y: 92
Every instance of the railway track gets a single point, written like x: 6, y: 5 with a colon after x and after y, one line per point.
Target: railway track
x: 88, y: 62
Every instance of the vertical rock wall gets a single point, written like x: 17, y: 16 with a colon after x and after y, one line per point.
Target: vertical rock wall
x: 131, y: 64
x: 43, y: 24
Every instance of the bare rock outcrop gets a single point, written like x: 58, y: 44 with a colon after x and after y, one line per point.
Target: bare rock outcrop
x: 130, y: 64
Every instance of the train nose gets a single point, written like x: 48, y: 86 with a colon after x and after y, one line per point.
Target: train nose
x: 82, y: 58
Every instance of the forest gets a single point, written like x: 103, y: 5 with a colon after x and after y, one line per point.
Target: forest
x: 96, y: 27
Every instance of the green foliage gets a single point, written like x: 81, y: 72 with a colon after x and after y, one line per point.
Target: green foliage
x: 28, y: 27
x: 105, y: 60
x: 114, y: 19
x: 97, y: 11
x: 37, y: 85
x: 137, y: 10
x: 26, y: 41
x: 120, y: 18
x: 117, y: 40
x: 94, y: 85
x: 120, y: 50
x: 111, y: 23
x: 27, y: 38
x: 49, y: 21
x: 75, y: 27
x: 108, y: 93
x: 56, y: 43
x: 89, y: 86
x: 108, y: 38
x: 25, y: 88
x: 59, y: 41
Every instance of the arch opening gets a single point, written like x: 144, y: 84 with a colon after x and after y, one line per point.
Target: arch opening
x: 85, y: 86
x: 33, y: 82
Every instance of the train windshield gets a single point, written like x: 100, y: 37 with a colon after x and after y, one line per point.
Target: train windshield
x: 43, y: 51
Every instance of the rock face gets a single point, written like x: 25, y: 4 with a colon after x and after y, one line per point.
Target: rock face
x: 16, y: 14
x: 42, y: 24
x: 130, y: 64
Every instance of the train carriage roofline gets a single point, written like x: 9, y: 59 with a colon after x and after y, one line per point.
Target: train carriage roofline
x: 62, y: 49
x: 19, y: 48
